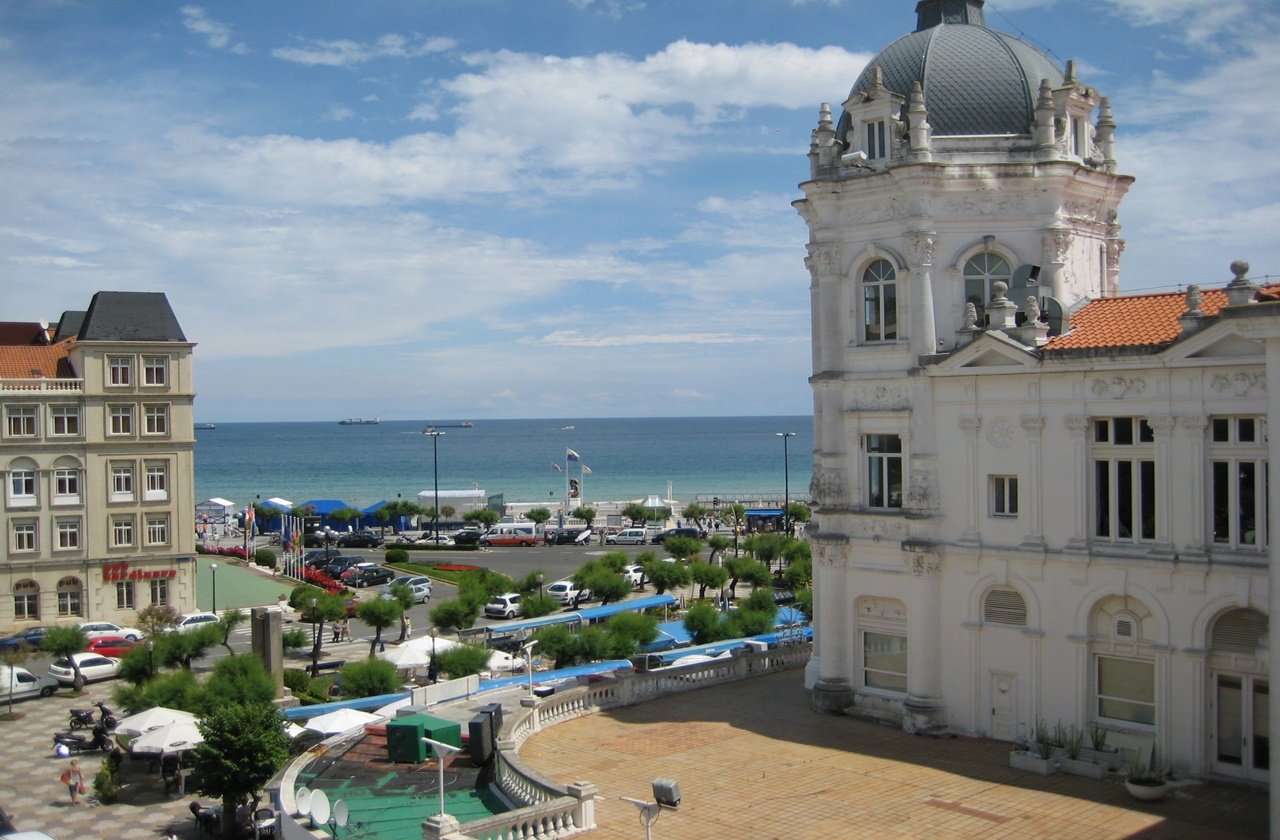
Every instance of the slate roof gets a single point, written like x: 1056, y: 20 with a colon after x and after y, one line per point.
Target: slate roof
x: 130, y: 316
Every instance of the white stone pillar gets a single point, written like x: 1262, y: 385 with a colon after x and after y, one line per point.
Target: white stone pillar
x: 924, y: 337
x: 1195, y: 537
x: 923, y: 707
x: 1029, y: 500
x: 834, y: 634
x: 1077, y: 426
x: 970, y: 426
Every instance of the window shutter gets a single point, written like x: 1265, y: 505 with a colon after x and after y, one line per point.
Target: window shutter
x: 1004, y: 605
x: 1240, y: 631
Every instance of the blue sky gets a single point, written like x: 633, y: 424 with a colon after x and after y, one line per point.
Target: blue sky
x: 537, y: 208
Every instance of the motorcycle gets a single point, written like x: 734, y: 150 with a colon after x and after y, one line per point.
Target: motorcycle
x: 83, y: 718
x: 80, y: 742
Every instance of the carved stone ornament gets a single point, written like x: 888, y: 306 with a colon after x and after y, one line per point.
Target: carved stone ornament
x: 827, y: 487
x: 825, y: 258
x: 1084, y: 211
x: 1057, y: 243
x: 1031, y: 424
x: 1161, y: 424
x: 985, y: 205
x: 1196, y: 425
x: 970, y: 316
x: 1076, y: 425
x: 1239, y: 384
x: 869, y: 212
x: 881, y: 608
x: 880, y: 397
x: 1193, y: 300
x: 922, y: 243
x: 1118, y: 387
x: 1000, y: 432
x: 920, y: 493
x: 925, y: 564
x: 970, y: 426
x: 1115, y: 247
x: 882, y: 527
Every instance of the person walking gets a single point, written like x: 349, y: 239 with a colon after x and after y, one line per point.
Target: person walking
x: 408, y: 627
x: 337, y: 630
x: 74, y: 780
x: 346, y: 629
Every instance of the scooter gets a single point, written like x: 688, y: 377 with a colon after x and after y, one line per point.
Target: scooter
x: 83, y: 718
x: 79, y: 742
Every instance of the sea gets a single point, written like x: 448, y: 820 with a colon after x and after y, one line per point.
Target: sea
x: 619, y: 459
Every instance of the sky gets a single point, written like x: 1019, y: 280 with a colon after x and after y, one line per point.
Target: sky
x: 487, y: 209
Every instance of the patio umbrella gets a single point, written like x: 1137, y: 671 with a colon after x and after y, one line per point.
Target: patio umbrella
x: 153, y: 718
x: 340, y: 721
x: 415, y: 652
x: 177, y: 736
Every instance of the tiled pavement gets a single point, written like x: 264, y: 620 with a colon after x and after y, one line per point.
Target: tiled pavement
x: 751, y: 761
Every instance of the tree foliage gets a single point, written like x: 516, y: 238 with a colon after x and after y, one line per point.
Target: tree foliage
x: 586, y: 514
x: 538, y: 516
x: 707, y: 575
x: 379, y: 613
x: 236, y: 680
x: 63, y: 642
x: 637, y: 513
x: 535, y: 605
x: 155, y: 619
x: 682, y: 548
x: 173, y: 690
x: 244, y: 746
x: 368, y: 678
x: 463, y: 660
x: 484, y: 517
x: 666, y: 576
x: 454, y: 614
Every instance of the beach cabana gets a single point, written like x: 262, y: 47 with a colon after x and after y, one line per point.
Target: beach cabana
x: 215, y: 510
x: 323, y: 507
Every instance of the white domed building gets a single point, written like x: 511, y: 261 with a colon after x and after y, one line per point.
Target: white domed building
x: 1037, y: 499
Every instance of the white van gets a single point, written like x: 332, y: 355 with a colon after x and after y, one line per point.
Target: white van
x: 628, y: 536
x: 511, y: 533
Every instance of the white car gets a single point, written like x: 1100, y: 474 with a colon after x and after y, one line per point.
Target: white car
x: 435, y: 539
x: 420, y: 584
x: 628, y: 536
x: 195, y: 621
x: 18, y: 682
x: 566, y: 592
x: 93, y: 629
x: 635, y: 574
x: 503, y: 606
x: 93, y: 666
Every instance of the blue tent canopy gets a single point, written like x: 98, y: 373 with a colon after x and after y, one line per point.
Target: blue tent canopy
x: 373, y: 508
x: 324, y: 507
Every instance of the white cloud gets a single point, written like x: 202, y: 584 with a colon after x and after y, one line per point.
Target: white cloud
x: 338, y: 113
x: 609, y: 8
x: 217, y: 35
x: 348, y: 53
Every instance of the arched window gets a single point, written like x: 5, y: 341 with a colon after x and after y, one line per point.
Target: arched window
x: 69, y: 592
x: 1124, y: 672
x: 1240, y: 631
x: 26, y: 600
x: 1004, y: 605
x: 979, y: 273
x: 879, y: 302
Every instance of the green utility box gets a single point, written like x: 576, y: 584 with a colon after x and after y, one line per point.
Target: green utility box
x: 405, y: 734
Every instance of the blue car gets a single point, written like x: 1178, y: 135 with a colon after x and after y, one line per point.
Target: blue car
x: 31, y: 637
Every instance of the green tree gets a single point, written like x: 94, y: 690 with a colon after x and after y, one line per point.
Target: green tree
x: 704, y: 624
x: 536, y: 605
x: 327, y: 608
x: 181, y: 649
x: 244, y: 746
x: 767, y: 548
x: 799, y: 572
x: 235, y: 680
x: 396, y: 556
x: 538, y: 516
x: 695, y: 513
x: 586, y: 514
x: 637, y: 513
x: 463, y: 660
x: 556, y: 643
x: 531, y: 582
x: 63, y: 643
x: 265, y: 557
x: 606, y: 584
x: 483, y: 517
x: 804, y: 602
x: 454, y: 614
x: 227, y: 623
x: 155, y: 619
x: 719, y: 544
x: 798, y: 512
x: 640, y: 628
x: 174, y: 690
x: 403, y: 595
x: 368, y: 678
x: 138, y: 665
x: 378, y: 613
x: 682, y: 548
x: 666, y: 576
x: 746, y: 569
x: 447, y: 512
x: 345, y: 515
x: 479, y: 587
x: 705, y: 574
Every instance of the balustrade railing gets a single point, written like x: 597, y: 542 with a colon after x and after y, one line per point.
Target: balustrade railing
x: 35, y: 386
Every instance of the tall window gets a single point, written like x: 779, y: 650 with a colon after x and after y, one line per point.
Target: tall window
x: 124, y: 595
x: 66, y: 486
x: 157, y: 530
x: 1004, y: 495
x: 65, y: 420
x: 884, y: 471
x: 157, y: 489
x: 26, y: 600
x: 21, y: 420
x: 69, y: 592
x: 68, y: 533
x: 879, y: 302
x: 122, y: 482
x: 884, y: 661
x: 1126, y: 690
x: 24, y: 536
x: 160, y: 591
x: 121, y: 419
x: 155, y: 370
x: 1238, y: 465
x: 979, y: 273
x: 122, y: 531
x: 22, y: 487
x: 1124, y: 487
x: 157, y: 419
x: 119, y: 370
x: 876, y: 145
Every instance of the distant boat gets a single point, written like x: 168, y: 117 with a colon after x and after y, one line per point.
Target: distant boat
x: 356, y: 421
x: 566, y: 428
x: 465, y: 424
x: 205, y: 426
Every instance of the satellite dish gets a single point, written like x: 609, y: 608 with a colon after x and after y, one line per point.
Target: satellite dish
x: 340, y: 813
x: 319, y: 807
x: 303, y: 798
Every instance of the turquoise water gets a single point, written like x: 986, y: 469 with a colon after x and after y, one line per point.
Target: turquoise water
x: 734, y: 457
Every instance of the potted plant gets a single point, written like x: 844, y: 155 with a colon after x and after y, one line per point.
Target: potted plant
x: 1036, y: 758
x: 1075, y: 763
x: 1098, y: 751
x: 1147, y: 782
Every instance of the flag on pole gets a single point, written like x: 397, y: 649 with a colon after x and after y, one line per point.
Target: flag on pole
x: 586, y: 470
x: 555, y: 467
x: 570, y: 455
x: 248, y: 519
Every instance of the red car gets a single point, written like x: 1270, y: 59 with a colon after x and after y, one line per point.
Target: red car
x: 112, y: 646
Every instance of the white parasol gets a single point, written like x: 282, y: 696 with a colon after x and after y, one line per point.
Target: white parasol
x: 153, y: 718
x: 340, y: 721
x: 177, y: 736
x: 415, y: 652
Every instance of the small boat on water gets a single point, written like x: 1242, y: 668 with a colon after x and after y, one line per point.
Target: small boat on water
x: 465, y: 424
x: 205, y: 426
x: 357, y: 421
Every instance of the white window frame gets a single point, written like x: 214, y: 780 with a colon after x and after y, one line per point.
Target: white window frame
x: 67, y: 532
x: 1002, y: 496
x: 23, y: 487
x: 26, y: 605
x: 157, y: 530
x: 879, y: 302
x: 986, y: 267
x: 156, y: 486
x: 160, y: 591
x: 121, y: 420
x: 64, y: 421
x: 1237, y: 481
x: 66, y: 485
x: 1123, y: 454
x: 155, y: 419
x: 885, y: 463
x: 1112, y: 702
x: 70, y: 600
x: 876, y: 135
x: 119, y: 371
x: 21, y: 421
x: 24, y: 536
x: 122, y: 485
x: 873, y: 675
x: 123, y: 533
x: 124, y: 595
x: 155, y: 371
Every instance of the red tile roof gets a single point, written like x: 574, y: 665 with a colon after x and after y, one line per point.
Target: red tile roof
x: 1135, y: 320
x: 43, y: 361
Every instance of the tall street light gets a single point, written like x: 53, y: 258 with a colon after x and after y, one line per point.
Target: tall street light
x: 786, y: 483
x: 435, y: 473
x: 213, y: 569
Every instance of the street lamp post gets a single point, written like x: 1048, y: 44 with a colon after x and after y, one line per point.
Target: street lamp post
x: 435, y: 475
x: 213, y: 569
x: 442, y: 752
x: 528, y: 661
x: 315, y: 638
x: 151, y: 664
x: 786, y: 483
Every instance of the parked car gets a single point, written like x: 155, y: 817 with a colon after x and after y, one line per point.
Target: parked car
x: 635, y: 574
x: 335, y: 567
x: 360, y: 539
x: 420, y: 584
x: 468, y: 536
x: 503, y: 606
x: 628, y: 536
x: 567, y: 592
x: 195, y: 621
x: 93, y: 629
x: 369, y: 577
x: 434, y: 539
x: 114, y: 647
x: 563, y: 536
x: 356, y: 568
x: 692, y: 533
x: 16, y: 683
x: 93, y: 666
x: 32, y: 637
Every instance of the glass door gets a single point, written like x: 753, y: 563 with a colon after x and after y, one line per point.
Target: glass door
x: 1242, y: 735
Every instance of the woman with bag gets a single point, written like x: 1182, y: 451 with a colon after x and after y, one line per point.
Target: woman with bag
x: 74, y: 780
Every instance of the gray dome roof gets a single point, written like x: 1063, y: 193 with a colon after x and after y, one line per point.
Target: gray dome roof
x: 975, y: 80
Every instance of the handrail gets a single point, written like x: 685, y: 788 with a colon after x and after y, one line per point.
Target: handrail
x: 41, y: 385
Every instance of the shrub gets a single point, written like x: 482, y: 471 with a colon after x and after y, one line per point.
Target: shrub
x: 296, y: 679
x: 368, y: 678
x: 265, y: 557
x: 397, y: 555
x: 106, y: 782
x: 463, y: 660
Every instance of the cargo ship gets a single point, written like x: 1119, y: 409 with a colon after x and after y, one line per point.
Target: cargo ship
x: 357, y: 421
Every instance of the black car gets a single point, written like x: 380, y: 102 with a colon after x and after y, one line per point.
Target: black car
x: 372, y: 577
x: 467, y: 537
x: 693, y: 533
x: 360, y: 539
x: 335, y: 567
x: 564, y: 536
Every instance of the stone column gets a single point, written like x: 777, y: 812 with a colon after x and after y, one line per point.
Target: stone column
x: 1163, y: 428
x: 1030, y: 501
x: 1195, y: 537
x: 922, y: 711
x: 267, y: 637
x: 832, y: 691
x: 1077, y: 426
x: 924, y: 329
x: 970, y: 426
x: 830, y: 309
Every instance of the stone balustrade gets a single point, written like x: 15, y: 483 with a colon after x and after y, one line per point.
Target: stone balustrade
x: 37, y: 386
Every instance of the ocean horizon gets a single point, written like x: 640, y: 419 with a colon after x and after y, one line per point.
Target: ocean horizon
x: 682, y: 458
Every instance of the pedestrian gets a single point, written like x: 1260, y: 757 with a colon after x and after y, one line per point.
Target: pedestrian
x: 408, y: 627
x: 337, y: 631
x: 74, y: 780
x: 346, y: 629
